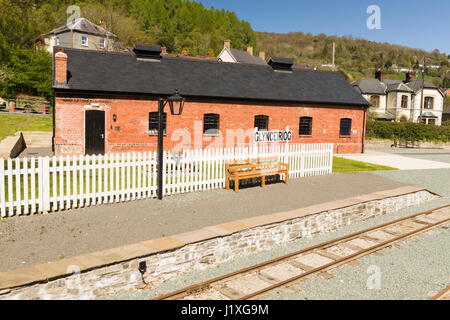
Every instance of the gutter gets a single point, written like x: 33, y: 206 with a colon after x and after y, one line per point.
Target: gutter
x: 66, y: 90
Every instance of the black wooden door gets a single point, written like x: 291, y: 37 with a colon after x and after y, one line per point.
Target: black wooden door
x: 94, y: 132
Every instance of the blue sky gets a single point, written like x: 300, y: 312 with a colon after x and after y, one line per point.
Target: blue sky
x: 413, y: 23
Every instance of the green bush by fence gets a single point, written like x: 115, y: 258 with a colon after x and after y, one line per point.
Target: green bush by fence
x: 407, y: 131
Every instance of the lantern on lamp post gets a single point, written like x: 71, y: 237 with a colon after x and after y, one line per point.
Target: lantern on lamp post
x: 176, y: 103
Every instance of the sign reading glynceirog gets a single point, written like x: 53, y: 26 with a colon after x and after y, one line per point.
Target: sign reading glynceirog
x: 272, y: 136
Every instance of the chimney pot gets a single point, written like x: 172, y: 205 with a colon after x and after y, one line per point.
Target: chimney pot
x: 250, y: 50
x: 409, y: 76
x: 379, y: 75
x: 262, y: 55
x: 227, y: 44
x: 163, y: 50
x: 184, y: 53
x: 60, y: 67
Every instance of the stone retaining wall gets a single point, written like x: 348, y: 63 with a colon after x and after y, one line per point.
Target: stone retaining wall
x: 386, y: 143
x: 161, y: 266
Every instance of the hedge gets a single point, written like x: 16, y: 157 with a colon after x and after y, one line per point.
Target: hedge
x: 407, y: 131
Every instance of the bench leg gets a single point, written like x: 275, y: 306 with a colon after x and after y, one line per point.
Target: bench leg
x: 236, y: 185
x: 227, y: 183
x: 286, y: 179
x: 263, y: 181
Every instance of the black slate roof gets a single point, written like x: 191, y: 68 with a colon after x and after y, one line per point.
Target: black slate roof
x: 400, y: 87
x: 100, y: 72
x: 416, y: 85
x: 370, y: 86
x: 82, y: 25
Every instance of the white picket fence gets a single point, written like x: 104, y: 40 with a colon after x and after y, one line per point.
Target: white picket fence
x: 47, y: 184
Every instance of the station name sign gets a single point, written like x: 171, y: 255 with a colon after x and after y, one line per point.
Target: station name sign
x: 272, y: 136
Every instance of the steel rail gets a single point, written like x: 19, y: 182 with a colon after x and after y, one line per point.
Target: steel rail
x: 441, y: 294
x: 197, y: 287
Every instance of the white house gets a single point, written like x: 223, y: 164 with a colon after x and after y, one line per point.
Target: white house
x: 79, y: 34
x: 232, y: 55
x: 395, y: 100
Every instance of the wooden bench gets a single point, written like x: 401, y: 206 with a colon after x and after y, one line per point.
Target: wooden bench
x: 260, y: 168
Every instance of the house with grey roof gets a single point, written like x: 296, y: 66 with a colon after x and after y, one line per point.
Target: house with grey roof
x: 78, y: 34
x: 396, y: 100
x: 232, y: 55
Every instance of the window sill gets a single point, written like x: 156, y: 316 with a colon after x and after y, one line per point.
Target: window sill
x: 305, y: 135
x: 211, y: 134
x: 156, y: 134
x: 345, y: 136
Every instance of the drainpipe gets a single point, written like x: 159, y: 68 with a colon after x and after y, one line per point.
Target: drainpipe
x: 363, y: 131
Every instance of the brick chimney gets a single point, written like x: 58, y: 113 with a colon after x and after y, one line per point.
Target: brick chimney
x: 262, y: 55
x: 227, y: 44
x: 250, y: 50
x: 60, y: 67
x: 379, y: 75
x: 409, y: 76
x: 163, y: 50
x: 184, y: 52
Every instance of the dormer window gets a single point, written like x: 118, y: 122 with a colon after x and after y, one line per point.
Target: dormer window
x: 147, y: 52
x: 281, y: 64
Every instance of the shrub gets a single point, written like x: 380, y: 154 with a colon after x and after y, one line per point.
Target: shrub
x: 407, y: 131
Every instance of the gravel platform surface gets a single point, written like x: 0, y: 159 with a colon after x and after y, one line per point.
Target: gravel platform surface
x: 29, y: 240
x: 417, y: 269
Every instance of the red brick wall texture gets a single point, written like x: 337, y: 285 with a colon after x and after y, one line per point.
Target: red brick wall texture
x: 130, y: 130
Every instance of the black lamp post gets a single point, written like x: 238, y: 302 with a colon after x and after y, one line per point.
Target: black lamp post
x: 176, y: 103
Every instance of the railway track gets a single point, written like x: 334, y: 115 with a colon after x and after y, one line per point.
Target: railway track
x: 443, y: 295
x: 284, y: 271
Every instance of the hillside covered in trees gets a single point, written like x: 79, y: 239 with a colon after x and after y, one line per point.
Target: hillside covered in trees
x: 179, y: 25
x: 356, y: 57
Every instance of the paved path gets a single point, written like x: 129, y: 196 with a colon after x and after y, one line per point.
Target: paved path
x: 36, y: 152
x: 395, y: 160
x: 30, y: 240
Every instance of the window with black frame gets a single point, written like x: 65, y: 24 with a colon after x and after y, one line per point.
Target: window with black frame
x: 261, y: 122
x: 305, y: 126
x: 153, y: 122
x: 211, y: 123
x: 345, y: 127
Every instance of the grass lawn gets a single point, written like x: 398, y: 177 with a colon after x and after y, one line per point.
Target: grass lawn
x: 345, y: 165
x: 11, y: 123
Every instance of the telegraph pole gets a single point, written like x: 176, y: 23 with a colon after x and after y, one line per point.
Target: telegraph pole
x: 334, y: 52
x: 423, y: 86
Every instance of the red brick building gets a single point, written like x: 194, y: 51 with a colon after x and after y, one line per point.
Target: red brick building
x: 107, y: 102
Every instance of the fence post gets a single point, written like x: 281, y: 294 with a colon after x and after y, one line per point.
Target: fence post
x: 330, y: 170
x: 46, y: 184
x: 2, y: 188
